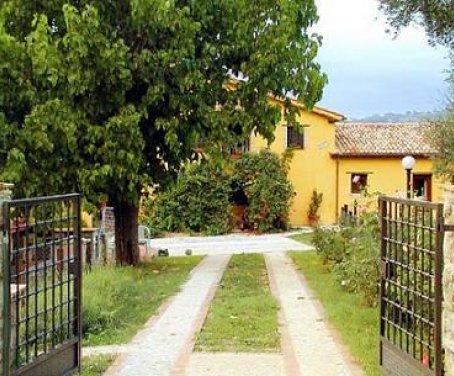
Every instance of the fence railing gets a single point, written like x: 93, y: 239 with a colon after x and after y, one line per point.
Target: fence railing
x: 42, y: 270
x: 349, y: 215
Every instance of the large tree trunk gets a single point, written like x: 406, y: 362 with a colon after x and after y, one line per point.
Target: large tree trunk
x: 126, y: 234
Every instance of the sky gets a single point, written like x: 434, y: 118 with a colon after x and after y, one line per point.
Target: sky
x: 371, y: 72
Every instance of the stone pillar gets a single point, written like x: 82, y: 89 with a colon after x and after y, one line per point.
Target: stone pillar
x: 448, y: 282
x: 5, y: 195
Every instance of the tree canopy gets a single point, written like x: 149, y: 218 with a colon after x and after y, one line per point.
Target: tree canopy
x: 436, y: 16
x: 104, y: 97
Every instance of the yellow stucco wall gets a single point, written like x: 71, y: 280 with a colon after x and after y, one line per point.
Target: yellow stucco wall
x: 311, y: 167
x: 385, y: 176
x: 314, y: 168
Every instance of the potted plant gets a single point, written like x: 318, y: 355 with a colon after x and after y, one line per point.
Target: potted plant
x: 314, y: 206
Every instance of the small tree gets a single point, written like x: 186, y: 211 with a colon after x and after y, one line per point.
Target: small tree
x: 443, y: 140
x: 314, y: 206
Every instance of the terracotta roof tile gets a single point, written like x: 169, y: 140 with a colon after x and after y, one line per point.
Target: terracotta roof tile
x: 384, y: 139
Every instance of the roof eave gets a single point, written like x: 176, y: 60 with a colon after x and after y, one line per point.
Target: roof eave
x: 381, y: 155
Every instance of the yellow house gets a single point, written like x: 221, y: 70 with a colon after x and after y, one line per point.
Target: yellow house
x: 341, y: 160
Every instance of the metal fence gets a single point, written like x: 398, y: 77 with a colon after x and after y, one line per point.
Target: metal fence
x: 42, y: 269
x: 411, y: 287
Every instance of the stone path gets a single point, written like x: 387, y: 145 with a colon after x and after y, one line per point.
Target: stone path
x: 158, y: 349
x: 228, y: 244
x: 227, y: 364
x: 164, y: 347
x: 312, y: 344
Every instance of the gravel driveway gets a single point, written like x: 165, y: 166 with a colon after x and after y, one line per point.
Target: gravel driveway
x: 228, y: 244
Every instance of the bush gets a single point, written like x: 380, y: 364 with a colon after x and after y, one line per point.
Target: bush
x: 198, y: 202
x: 330, y: 245
x: 352, y: 252
x: 263, y: 178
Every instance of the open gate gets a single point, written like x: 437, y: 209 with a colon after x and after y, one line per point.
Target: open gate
x: 411, y: 287
x: 42, y: 271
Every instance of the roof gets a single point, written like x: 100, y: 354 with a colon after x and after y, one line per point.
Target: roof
x: 332, y: 116
x: 384, y: 139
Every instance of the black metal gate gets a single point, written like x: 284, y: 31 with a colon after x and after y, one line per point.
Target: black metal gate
x: 42, y: 271
x: 411, y: 287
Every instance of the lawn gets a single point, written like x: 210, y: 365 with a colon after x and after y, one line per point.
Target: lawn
x: 243, y: 314
x: 357, y: 325
x: 117, y: 302
x: 305, y: 238
x: 96, y: 365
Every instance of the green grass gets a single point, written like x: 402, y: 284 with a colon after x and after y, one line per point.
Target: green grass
x: 357, y: 325
x: 243, y: 314
x: 117, y: 302
x: 96, y: 365
x: 305, y: 238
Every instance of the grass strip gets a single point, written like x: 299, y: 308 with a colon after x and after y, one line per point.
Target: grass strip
x: 243, y: 314
x: 305, y: 238
x: 96, y: 365
x: 118, y: 301
x: 357, y: 325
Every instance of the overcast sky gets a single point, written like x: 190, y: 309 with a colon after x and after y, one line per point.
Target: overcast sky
x: 369, y: 71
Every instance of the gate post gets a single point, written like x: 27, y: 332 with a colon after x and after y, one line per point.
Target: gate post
x: 5, y: 195
x: 448, y: 282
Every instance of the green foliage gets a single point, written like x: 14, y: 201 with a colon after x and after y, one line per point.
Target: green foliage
x: 105, y: 97
x: 263, y: 177
x: 316, y: 202
x: 330, y: 245
x: 443, y: 139
x: 352, y: 253
x: 96, y: 365
x: 243, y: 315
x: 437, y: 17
x: 118, y: 301
x: 197, y: 202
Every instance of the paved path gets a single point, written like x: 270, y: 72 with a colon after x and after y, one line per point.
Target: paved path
x: 164, y: 347
x: 244, y: 364
x: 158, y: 349
x: 228, y: 244
x: 314, y: 349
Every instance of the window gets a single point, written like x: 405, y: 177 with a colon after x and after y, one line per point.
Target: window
x: 422, y: 186
x: 295, y: 137
x: 358, y: 182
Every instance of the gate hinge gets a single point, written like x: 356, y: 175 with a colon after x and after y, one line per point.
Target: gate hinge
x: 446, y: 228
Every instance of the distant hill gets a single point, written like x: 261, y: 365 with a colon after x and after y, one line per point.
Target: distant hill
x: 409, y: 116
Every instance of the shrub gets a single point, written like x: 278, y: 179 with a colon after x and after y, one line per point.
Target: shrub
x: 263, y: 178
x: 198, y: 202
x: 330, y: 245
x: 353, y: 254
